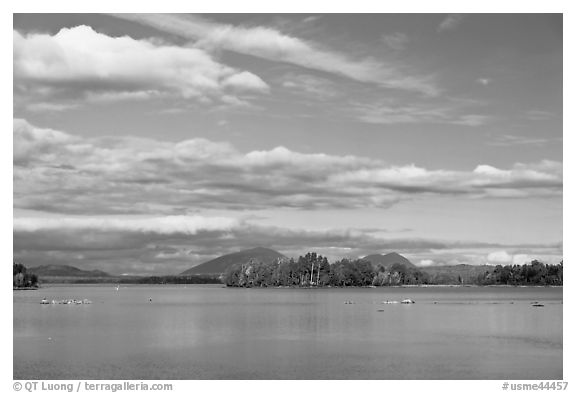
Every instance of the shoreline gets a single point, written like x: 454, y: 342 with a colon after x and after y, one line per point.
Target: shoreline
x: 404, y: 286
x: 59, y: 284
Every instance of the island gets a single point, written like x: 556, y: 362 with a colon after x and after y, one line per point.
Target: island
x: 314, y: 270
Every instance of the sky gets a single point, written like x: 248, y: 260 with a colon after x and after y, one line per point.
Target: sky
x: 147, y: 144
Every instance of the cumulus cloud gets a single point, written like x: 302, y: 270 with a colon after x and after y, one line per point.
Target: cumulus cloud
x: 56, y: 171
x: 523, y: 180
x: 484, y: 254
x: 245, y: 80
x: 271, y: 44
x: 30, y: 142
x: 499, y: 257
x: 102, y: 67
x: 503, y: 257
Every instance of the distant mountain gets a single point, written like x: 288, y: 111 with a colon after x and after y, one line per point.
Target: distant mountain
x: 65, y: 271
x: 388, y: 260
x: 219, y: 265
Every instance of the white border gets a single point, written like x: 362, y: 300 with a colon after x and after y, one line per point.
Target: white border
x: 292, y: 6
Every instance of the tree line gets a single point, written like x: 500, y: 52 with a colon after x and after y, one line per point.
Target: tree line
x: 536, y: 273
x: 171, y: 280
x: 314, y: 270
x: 23, y: 279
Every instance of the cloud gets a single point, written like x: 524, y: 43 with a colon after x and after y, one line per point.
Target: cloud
x: 523, y: 180
x: 471, y: 120
x: 199, y: 229
x: 245, y: 80
x: 499, y: 257
x: 520, y: 140
x: 482, y: 254
x: 539, y: 115
x: 116, y: 96
x: 446, y: 262
x: 484, y: 81
x: 171, y: 244
x: 271, y: 44
x: 386, y: 112
x: 310, y: 86
x: 426, y: 262
x: 503, y: 257
x: 396, y: 41
x: 165, y: 225
x: 50, y: 107
x: 31, y: 142
x: 451, y: 22
x: 82, y: 61
x: 59, y: 172
x: 311, y: 19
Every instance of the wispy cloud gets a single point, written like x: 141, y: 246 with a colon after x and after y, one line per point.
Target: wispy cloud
x: 310, y: 86
x: 511, y: 140
x: 539, y: 115
x: 484, y: 81
x: 50, y: 107
x: 273, y: 45
x: 311, y: 19
x: 396, y: 41
x: 387, y: 112
x: 451, y: 22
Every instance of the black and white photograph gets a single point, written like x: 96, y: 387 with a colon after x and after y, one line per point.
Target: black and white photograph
x: 287, y: 196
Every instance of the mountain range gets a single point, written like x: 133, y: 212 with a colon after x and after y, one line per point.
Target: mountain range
x: 265, y: 255
x: 65, y: 271
x: 388, y: 260
x: 220, y: 264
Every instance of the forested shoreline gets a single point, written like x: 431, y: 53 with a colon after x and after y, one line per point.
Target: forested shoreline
x: 314, y: 270
x: 22, y: 279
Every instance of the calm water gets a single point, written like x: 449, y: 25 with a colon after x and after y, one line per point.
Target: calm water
x: 210, y: 332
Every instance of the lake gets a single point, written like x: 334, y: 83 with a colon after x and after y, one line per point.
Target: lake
x: 212, y: 332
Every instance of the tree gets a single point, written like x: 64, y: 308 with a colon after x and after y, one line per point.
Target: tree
x: 365, y: 272
x: 314, y: 269
x: 21, y: 278
x: 323, y: 272
x: 18, y: 268
x: 232, y: 275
